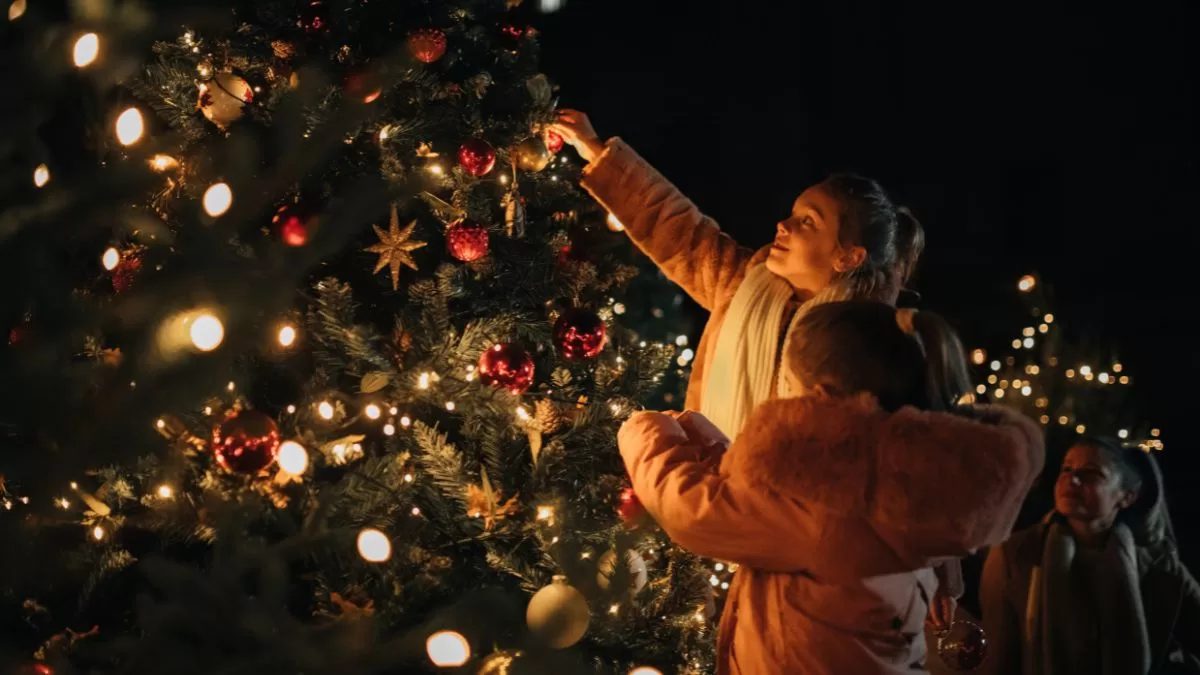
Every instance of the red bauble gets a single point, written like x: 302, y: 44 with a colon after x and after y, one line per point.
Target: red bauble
x: 364, y: 85
x: 314, y: 18
x: 427, y: 44
x: 21, y: 333
x: 579, y: 334
x: 963, y: 647
x: 477, y: 157
x: 125, y: 273
x: 293, y: 224
x: 554, y: 141
x: 507, y: 366
x: 630, y: 508
x: 467, y: 240
x: 246, y: 442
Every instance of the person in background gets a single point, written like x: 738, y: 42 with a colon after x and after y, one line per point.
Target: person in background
x: 837, y: 501
x: 1097, y: 586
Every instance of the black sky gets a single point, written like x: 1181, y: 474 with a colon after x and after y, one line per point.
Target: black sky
x: 1054, y: 139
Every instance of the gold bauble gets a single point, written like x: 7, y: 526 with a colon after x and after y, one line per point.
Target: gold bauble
x: 532, y: 154
x: 501, y: 662
x: 558, y: 614
x: 607, y: 566
x: 224, y: 98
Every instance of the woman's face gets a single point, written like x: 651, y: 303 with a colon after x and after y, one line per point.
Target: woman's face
x: 1089, y: 487
x: 806, y: 251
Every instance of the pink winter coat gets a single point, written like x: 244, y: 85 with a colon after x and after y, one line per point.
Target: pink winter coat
x: 835, y: 511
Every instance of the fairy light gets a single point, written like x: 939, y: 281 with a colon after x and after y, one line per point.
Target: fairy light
x: 681, y: 341
x: 389, y: 429
x: 41, y: 175
x: 408, y: 478
x: 1063, y: 420
x: 98, y: 533
x: 714, y: 580
x: 1042, y: 402
x: 1028, y: 343
x: 545, y: 513
x: 1080, y: 429
x: 1032, y: 369
x: 231, y: 386
x: 325, y: 410
x: 503, y: 179
x: 1028, y: 331
x: 416, y: 511
x: 995, y: 365
x: 1049, y: 318
x: 981, y: 389
x: 1070, y: 373
x: 1026, y: 283
x: 405, y: 421
x: 63, y: 503
x: 1116, y: 367
x: 372, y: 411
x: 978, y: 357
x: 1155, y: 433
x: 287, y: 335
x: 1085, y: 370
x: 614, y: 224
x: 1016, y: 344
x: 1044, y: 419
x: 130, y: 126
x: 162, y: 163
x: 208, y: 409
x: 374, y: 546
x: 448, y: 649
x: 1124, y: 379
x: 992, y: 379
x: 165, y: 491
x: 86, y: 49
x: 450, y: 406
x: 423, y: 381
x: 217, y: 199
x: 436, y: 169
x: 645, y: 670
x: 619, y: 308
x: 393, y: 410
x: 292, y: 458
x: 1044, y: 328
x: 291, y: 409
x: 206, y: 332
x: 1103, y: 377
x: 1026, y: 390
x: 999, y: 393
x: 1123, y: 433
x: 522, y: 414
x: 16, y: 10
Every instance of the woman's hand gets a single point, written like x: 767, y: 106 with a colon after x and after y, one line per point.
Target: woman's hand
x: 941, y: 610
x: 576, y: 129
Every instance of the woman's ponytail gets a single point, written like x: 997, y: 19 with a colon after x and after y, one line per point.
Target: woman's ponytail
x: 946, y: 376
x: 910, y: 243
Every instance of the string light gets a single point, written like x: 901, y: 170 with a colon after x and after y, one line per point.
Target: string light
x: 165, y: 491
x: 291, y: 409
x: 1080, y: 429
x: 545, y: 513
x: 1070, y: 373
x: 231, y: 386
x: 408, y: 478
x: 1116, y: 367
x: 41, y: 175
x: 1103, y: 377
x: 645, y: 670
x: 130, y: 126
x: 292, y: 458
x: 992, y: 379
x: 614, y: 609
x: 287, y: 335
x: 614, y: 224
x: 995, y: 365
x: 110, y: 259
x: 372, y: 411
x: 217, y: 199
x: 1026, y: 283
x: 325, y: 410
x: 98, y: 533
x: 1044, y: 419
x: 447, y: 649
x: 978, y: 357
x: 450, y: 405
x: 405, y: 421
x: 1028, y: 331
x: 1155, y: 433
x: 423, y: 381
x: 1026, y: 390
x: 619, y: 308
x: 16, y: 10
x: 1063, y: 420
x: 1123, y: 433
x: 1085, y: 370
x: 389, y: 429
x: 374, y: 546
x: 1043, y: 329
x: 206, y: 332
x: 162, y: 163
x: 435, y: 168
x: 1049, y: 318
x: 86, y: 49
x: 416, y: 511
x: 981, y: 389
x: 1124, y: 379
x: 1028, y: 343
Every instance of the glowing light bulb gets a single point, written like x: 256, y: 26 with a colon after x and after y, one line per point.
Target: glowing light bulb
x: 130, y: 126
x: 41, y: 175
x: 1026, y: 283
x: 1124, y: 379
x: 981, y: 389
x: 1028, y: 343
x: 287, y: 336
x: 1016, y: 344
x: 416, y: 511
x: 978, y: 357
x: 645, y: 670
x: 447, y: 649
x: 293, y: 458
x: 372, y: 411
x: 374, y: 546
x: 614, y: 224
x: 86, y: 49
x: 436, y: 169
x: 450, y: 405
x: 217, y: 199
x: 681, y: 341
x: 206, y: 332
x: 1044, y: 328
x: 389, y: 429
x: 291, y: 409
x: 1026, y: 390
x: 16, y: 10
x: 165, y: 491
x: 522, y: 413
x: 1049, y: 318
x: 1085, y: 370
x: 325, y: 410
x: 1044, y: 419
x: 423, y: 381
x: 995, y: 365
x: 1063, y: 420
x: 545, y: 512
x: 405, y: 421
x: 162, y: 163
x: 1027, y: 331
x: 1123, y: 433
x: 1070, y: 373
x: 408, y: 478
x: 111, y: 258
x: 1116, y: 368
x: 1080, y: 429
x: 98, y: 533
x: 1103, y: 377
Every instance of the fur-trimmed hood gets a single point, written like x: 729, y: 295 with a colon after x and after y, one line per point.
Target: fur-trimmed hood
x: 959, y: 478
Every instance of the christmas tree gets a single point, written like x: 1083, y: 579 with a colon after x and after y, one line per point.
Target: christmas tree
x: 317, y: 354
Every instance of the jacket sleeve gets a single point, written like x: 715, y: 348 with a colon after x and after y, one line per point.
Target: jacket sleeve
x: 1001, y: 621
x: 703, y: 511
x: 1187, y: 628
x: 685, y: 244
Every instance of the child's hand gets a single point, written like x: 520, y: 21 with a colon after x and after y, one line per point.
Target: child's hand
x: 576, y: 129
x: 700, y: 430
x: 941, y: 610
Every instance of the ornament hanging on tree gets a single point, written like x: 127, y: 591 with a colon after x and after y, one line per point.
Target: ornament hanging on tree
x: 477, y: 157
x: 630, y: 509
x: 606, y: 570
x: 314, y: 18
x: 395, y: 247
x: 554, y: 141
x: 467, y: 240
x: 293, y: 224
x: 963, y: 646
x: 532, y: 154
x: 558, y: 614
x: 427, y: 44
x: 246, y: 442
x: 224, y: 98
x: 506, y: 366
x: 514, y: 214
x: 503, y: 662
x: 125, y: 273
x: 511, y: 35
x: 580, y: 334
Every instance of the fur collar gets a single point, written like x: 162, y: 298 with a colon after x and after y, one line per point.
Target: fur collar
x: 962, y: 476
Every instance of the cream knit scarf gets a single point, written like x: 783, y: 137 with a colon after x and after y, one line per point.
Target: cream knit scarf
x: 747, y: 355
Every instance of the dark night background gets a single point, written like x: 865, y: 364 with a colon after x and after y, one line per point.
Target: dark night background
x: 1043, y: 139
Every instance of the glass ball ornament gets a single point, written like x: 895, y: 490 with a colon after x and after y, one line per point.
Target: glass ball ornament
x: 506, y: 366
x: 532, y: 154
x: 427, y: 44
x: 467, y: 240
x: 554, y: 141
x: 293, y: 224
x: 963, y: 646
x: 580, y: 334
x: 558, y: 614
x: 246, y: 442
x: 477, y: 157
x: 314, y: 18
x: 630, y: 508
x: 223, y: 98
x: 635, y: 564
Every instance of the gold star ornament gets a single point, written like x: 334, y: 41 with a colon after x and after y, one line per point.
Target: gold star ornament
x: 395, y: 248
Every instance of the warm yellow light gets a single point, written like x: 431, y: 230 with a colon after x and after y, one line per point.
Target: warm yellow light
x: 87, y: 48
x: 645, y: 670
x: 405, y: 421
x: 1070, y: 373
x: 206, y: 332
x: 1124, y: 379
x: 1049, y: 318
x: 1042, y: 402
x: 165, y: 491
x: 1104, y: 377
x: 416, y: 510
x: 41, y: 175
x: 1026, y: 390
x: 217, y: 199
x: 98, y: 533
x: 436, y: 169
x: 981, y: 389
x: 1063, y: 420
x: 545, y: 512
x: 373, y: 545
x: 16, y: 10
x: 389, y: 429
x: 423, y: 381
x: 1044, y: 419
x: 1085, y: 370
x: 1155, y: 433
x: 287, y: 336
x: 1026, y: 283
x: 163, y: 162
x: 522, y: 413
x: 130, y: 126
x: 999, y: 393
x: 450, y: 406
x: 1032, y: 369
x: 293, y: 458
x: 978, y: 357
x: 1080, y: 429
x: 1117, y: 367
x: 1027, y: 331
x: 614, y: 224
x: 1044, y: 328
x: 447, y: 649
x: 372, y: 411
x: 111, y: 258
x: 325, y: 410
